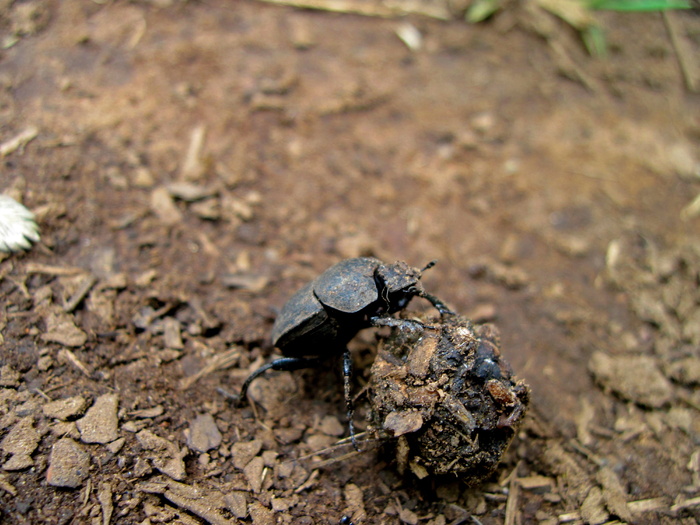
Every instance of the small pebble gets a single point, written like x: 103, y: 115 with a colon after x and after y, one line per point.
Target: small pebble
x: 9, y: 377
x: 99, y: 425
x: 253, y: 473
x: 633, y: 377
x: 69, y: 464
x: 21, y: 442
x: 203, y: 434
x: 331, y: 426
x: 64, y: 409
x: 243, y: 452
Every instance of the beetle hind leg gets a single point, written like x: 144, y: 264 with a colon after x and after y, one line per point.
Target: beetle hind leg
x: 283, y: 363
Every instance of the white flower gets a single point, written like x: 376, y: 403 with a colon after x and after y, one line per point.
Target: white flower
x: 17, y: 227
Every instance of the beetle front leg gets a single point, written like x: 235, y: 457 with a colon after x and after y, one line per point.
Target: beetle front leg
x: 437, y: 303
x: 347, y: 374
x: 392, y: 322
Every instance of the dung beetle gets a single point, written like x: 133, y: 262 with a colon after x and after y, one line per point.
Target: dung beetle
x: 320, y: 319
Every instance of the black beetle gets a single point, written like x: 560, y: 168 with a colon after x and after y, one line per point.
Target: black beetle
x: 320, y: 319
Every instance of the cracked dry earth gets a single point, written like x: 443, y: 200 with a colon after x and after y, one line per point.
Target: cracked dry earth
x: 192, y: 164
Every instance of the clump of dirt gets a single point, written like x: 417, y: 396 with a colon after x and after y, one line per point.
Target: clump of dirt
x: 448, y: 396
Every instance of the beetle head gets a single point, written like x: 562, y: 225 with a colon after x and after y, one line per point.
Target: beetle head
x: 400, y: 283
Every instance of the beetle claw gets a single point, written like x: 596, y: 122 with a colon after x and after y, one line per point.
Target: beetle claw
x: 234, y: 398
x: 437, y: 303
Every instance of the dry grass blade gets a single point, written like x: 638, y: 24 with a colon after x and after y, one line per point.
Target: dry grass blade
x: 382, y: 9
x: 218, y: 362
x: 688, y: 64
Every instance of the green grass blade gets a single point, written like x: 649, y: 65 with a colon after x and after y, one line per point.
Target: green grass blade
x: 480, y: 10
x: 594, y: 40
x: 638, y: 5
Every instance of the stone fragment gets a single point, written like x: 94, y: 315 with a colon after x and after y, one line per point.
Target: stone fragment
x: 99, y: 425
x: 331, y: 426
x: 64, y: 409
x: 260, y: 514
x: 20, y: 442
x: 236, y: 503
x: 685, y: 371
x: 171, y: 333
x: 633, y: 377
x: 593, y: 509
x: 166, y: 456
x: 355, y: 502
x: 400, y: 423
x: 116, y: 445
x: 614, y: 494
x: 163, y: 206
x: 9, y: 377
x: 203, y: 434
x: 65, y: 429
x: 253, y: 472
x: 61, y: 329
x: 69, y: 464
x: 104, y: 496
x: 244, y: 451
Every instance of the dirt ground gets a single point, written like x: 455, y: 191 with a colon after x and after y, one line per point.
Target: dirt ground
x: 192, y: 164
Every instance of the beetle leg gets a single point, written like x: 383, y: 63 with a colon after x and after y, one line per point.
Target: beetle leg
x: 347, y: 374
x: 283, y: 363
x: 392, y: 322
x: 437, y: 303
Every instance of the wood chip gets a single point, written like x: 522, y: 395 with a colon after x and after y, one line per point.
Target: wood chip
x: 190, y: 192
x: 47, y: 269
x: 536, y: 483
x: 193, y: 167
x: 6, y: 485
x: 686, y: 504
x: 249, y: 282
x: 148, y: 413
x: 647, y: 505
x: 18, y: 141
x: 512, y: 503
x: 171, y: 333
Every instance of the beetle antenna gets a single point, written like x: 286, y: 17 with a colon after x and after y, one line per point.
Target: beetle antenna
x: 429, y: 265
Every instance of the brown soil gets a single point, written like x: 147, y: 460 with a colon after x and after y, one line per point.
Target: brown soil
x: 196, y: 163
